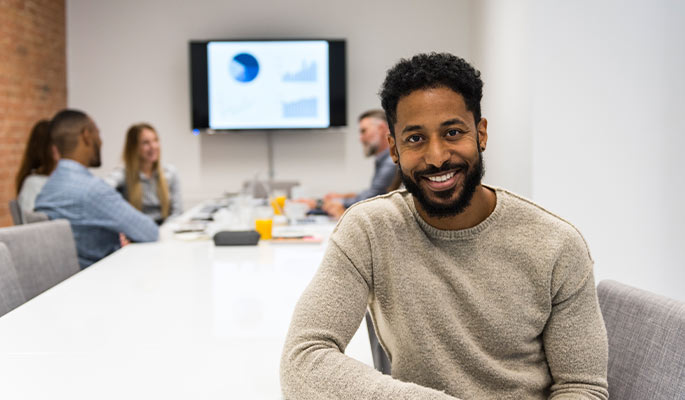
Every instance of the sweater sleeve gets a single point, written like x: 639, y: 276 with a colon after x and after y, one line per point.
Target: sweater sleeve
x: 575, y: 339
x: 313, y: 363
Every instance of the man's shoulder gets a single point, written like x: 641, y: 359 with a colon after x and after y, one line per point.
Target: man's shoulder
x: 75, y: 183
x: 546, y: 226
x: 387, y: 209
x: 390, y: 204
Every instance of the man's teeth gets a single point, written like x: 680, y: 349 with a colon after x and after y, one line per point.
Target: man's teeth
x: 441, y: 178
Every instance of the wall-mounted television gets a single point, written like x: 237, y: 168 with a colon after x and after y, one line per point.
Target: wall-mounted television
x: 268, y: 84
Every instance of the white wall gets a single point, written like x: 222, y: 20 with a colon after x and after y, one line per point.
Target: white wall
x: 583, y: 100
x: 502, y: 53
x: 603, y: 104
x: 128, y: 62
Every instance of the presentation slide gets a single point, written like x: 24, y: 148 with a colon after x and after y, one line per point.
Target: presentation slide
x: 271, y: 85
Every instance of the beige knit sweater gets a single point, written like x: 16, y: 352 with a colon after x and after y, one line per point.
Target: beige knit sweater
x: 504, y: 310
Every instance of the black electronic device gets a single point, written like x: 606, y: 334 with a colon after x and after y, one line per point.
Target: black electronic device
x: 236, y: 238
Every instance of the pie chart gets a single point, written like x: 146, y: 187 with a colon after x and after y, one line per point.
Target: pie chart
x: 244, y: 67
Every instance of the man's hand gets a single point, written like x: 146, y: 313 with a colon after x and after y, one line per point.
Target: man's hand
x: 311, y: 203
x: 333, y: 208
x: 334, y: 195
x: 123, y: 240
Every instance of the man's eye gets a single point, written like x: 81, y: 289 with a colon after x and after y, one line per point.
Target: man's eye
x: 413, y: 138
x: 453, y: 132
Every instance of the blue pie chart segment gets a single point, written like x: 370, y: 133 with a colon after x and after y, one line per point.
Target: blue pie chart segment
x: 244, y: 67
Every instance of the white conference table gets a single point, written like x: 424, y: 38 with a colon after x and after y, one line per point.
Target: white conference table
x: 172, y: 320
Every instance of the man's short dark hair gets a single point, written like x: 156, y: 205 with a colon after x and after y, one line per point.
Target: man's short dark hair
x: 375, y: 113
x: 428, y: 71
x: 65, y: 128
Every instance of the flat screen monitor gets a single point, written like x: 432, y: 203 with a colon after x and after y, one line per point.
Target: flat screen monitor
x: 267, y: 84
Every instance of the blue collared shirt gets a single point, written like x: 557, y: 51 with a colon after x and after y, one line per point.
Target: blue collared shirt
x: 383, y: 175
x: 97, y: 213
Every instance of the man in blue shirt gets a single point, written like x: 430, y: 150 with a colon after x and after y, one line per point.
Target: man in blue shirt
x: 97, y: 213
x: 373, y: 134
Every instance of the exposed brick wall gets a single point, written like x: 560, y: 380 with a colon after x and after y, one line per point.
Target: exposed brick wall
x: 33, y: 79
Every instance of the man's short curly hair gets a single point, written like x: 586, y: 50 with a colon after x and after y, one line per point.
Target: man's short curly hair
x: 426, y: 71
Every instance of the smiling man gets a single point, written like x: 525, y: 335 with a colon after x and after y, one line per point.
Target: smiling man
x: 475, y: 292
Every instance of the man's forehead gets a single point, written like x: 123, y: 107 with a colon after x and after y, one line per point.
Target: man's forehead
x: 431, y: 104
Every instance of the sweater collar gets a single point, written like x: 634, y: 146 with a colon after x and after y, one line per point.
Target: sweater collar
x: 460, y: 234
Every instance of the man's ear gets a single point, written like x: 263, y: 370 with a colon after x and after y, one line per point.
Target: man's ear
x: 483, y: 133
x: 393, y: 150
x: 86, y: 135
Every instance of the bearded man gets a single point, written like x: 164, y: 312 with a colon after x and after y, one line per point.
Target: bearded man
x: 475, y: 292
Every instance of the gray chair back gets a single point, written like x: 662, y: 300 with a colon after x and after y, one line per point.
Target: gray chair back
x: 43, y: 253
x: 15, y: 211
x: 11, y: 295
x: 646, y: 343
x: 31, y: 217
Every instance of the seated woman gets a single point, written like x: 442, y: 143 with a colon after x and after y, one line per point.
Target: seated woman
x: 148, y: 185
x: 40, y: 158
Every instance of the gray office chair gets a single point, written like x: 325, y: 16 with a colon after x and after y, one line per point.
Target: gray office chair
x: 15, y: 211
x: 31, y: 217
x: 43, y: 254
x: 380, y: 359
x: 646, y: 343
x: 11, y: 295
x: 20, y: 216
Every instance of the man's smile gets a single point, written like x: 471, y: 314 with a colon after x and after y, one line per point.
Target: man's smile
x: 444, y: 180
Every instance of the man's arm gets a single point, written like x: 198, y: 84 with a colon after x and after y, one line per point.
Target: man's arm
x: 575, y: 338
x: 115, y: 213
x: 327, y: 315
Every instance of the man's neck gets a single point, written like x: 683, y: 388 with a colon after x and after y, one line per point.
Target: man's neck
x: 482, y: 205
x: 79, y: 158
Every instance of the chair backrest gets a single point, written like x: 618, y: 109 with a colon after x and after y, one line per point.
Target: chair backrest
x: 646, y: 343
x: 43, y: 253
x: 31, y: 217
x: 11, y: 295
x: 15, y: 211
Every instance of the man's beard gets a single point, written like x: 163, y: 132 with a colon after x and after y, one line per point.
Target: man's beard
x: 370, y: 149
x: 443, y: 210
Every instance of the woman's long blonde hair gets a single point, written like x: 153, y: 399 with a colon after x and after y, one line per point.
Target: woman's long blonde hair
x: 131, y: 156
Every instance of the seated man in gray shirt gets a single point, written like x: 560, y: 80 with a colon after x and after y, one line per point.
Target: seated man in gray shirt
x: 97, y: 213
x: 373, y: 134
x: 475, y: 292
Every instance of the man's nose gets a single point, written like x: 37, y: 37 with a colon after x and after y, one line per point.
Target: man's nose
x: 436, y: 153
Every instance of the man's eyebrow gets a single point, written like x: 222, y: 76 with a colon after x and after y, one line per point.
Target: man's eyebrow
x: 449, y: 122
x: 411, y: 128
x: 453, y: 121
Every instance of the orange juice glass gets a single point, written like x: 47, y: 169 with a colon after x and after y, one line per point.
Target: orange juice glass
x: 263, y: 226
x: 278, y: 204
